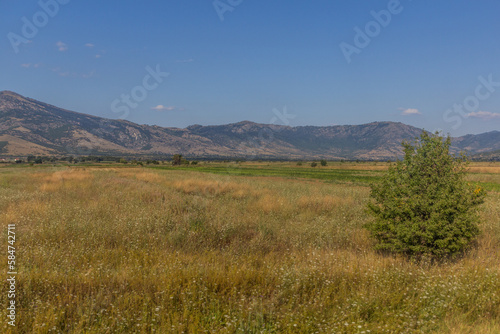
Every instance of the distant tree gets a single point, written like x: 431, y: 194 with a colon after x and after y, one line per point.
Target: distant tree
x: 194, y: 162
x: 424, y: 206
x: 177, y: 159
x: 123, y: 161
x: 323, y: 162
x: 299, y: 163
x: 314, y: 164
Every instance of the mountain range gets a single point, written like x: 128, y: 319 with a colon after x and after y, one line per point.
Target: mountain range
x: 28, y: 126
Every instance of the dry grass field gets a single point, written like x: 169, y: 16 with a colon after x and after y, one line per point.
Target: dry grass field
x: 139, y: 250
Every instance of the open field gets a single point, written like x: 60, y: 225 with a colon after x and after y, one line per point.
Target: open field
x: 230, y: 248
x: 488, y: 173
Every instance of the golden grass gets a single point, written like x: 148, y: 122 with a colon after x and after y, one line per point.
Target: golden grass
x: 322, y: 204
x: 211, y: 187
x: 131, y: 250
x: 57, y: 180
x: 268, y: 203
x: 485, y: 169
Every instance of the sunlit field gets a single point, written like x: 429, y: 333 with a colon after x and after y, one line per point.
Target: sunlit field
x: 230, y: 248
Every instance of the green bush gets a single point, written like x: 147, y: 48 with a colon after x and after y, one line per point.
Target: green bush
x: 424, y: 206
x: 314, y: 164
x: 323, y: 162
x: 177, y: 159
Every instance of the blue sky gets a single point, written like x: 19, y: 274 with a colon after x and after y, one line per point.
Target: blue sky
x: 430, y: 64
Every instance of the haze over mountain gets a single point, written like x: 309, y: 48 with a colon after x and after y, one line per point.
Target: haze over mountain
x: 28, y: 126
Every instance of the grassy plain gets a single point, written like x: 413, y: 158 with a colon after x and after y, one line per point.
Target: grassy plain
x: 230, y: 248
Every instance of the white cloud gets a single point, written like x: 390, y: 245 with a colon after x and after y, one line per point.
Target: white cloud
x: 100, y: 54
x: 161, y: 107
x: 89, y: 45
x: 65, y: 73
x: 28, y: 65
x: 88, y: 75
x: 485, y: 115
x: 61, y: 46
x: 410, y: 111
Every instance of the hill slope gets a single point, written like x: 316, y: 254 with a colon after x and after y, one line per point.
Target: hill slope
x: 28, y: 126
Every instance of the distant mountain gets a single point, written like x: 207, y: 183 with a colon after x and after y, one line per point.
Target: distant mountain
x: 28, y: 126
x: 484, y: 142
x: 490, y: 155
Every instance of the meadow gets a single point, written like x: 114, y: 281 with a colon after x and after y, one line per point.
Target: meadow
x: 230, y: 248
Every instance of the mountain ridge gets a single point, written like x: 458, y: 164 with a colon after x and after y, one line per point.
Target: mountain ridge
x: 28, y: 126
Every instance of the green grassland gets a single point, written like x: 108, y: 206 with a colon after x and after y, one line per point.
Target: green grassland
x: 280, y: 170
x: 486, y: 174
x: 230, y: 248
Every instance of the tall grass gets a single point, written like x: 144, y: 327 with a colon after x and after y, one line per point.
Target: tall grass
x: 133, y: 250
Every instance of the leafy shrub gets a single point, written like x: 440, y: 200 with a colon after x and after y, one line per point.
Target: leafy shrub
x: 323, y: 162
x: 313, y: 164
x: 424, y: 206
x: 177, y: 159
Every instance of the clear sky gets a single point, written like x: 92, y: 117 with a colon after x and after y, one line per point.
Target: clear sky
x: 431, y: 64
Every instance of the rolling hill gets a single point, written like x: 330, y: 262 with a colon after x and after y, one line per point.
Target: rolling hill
x: 28, y: 126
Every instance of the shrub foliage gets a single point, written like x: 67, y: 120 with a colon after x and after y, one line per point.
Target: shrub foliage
x: 424, y: 206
